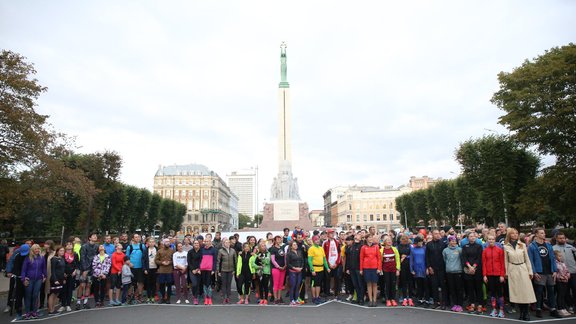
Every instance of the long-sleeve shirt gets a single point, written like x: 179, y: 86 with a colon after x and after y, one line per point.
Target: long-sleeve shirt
x: 434, y: 257
x: 493, y: 262
x: 353, y: 256
x: 294, y: 259
x: 34, y: 269
x: 472, y: 255
x: 164, y: 254
x: 418, y: 261
x: 194, y: 259
x: 370, y: 258
x: 453, y: 259
x: 58, y: 266
x: 209, y: 257
x: 101, y: 265
x: 87, y: 253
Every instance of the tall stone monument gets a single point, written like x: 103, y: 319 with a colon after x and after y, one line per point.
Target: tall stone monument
x: 285, y: 208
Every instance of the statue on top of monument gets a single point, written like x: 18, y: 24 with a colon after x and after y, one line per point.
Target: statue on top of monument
x: 283, y: 66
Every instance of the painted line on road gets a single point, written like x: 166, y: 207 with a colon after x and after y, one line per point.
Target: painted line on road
x: 461, y: 313
x: 163, y: 305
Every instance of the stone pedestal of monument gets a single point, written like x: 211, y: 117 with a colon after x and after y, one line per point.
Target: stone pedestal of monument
x: 285, y: 213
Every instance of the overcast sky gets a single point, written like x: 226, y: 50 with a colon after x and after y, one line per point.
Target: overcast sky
x: 381, y: 90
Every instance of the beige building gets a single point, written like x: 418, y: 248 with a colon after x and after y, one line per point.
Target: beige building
x: 317, y: 217
x: 211, y: 205
x: 369, y: 206
x: 425, y: 182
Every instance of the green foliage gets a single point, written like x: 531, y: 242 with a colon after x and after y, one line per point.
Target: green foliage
x: 243, y: 220
x: 498, y: 169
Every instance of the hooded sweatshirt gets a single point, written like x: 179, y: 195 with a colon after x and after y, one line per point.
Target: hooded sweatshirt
x: 453, y: 259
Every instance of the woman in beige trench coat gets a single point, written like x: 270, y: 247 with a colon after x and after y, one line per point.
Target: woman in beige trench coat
x: 519, y: 273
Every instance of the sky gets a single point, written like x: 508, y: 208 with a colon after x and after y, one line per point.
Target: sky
x: 380, y: 90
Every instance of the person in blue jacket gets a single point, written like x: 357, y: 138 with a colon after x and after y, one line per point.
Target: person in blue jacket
x: 418, y: 269
x: 543, y: 262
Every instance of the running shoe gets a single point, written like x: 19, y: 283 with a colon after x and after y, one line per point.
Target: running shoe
x: 195, y: 301
x: 246, y: 301
x: 388, y: 303
x: 178, y: 301
x: 410, y: 302
x: 405, y: 302
x: 501, y: 313
x: 240, y: 302
x: 493, y: 313
x: 187, y: 301
x: 453, y: 308
x: 68, y: 308
x: 394, y: 303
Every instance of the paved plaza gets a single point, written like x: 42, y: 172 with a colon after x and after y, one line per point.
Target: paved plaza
x: 330, y: 312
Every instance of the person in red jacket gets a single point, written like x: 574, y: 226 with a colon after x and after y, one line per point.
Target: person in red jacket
x: 371, y: 266
x: 332, y: 251
x: 493, y: 271
x: 115, y: 277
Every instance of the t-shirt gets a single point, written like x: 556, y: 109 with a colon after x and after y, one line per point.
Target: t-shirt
x: 180, y: 259
x: 134, y: 251
x: 332, y: 253
x: 388, y: 260
x: 317, y: 254
x: 544, y: 258
x: 279, y: 255
x: 151, y: 256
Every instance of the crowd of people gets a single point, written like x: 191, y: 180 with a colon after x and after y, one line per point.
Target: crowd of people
x: 492, y: 271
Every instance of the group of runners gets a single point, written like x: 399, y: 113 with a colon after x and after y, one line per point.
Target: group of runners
x: 492, y: 271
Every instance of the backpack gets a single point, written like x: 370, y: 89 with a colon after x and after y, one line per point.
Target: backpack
x: 131, y: 248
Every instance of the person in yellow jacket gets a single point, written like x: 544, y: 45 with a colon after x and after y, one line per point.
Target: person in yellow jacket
x: 391, y: 270
x: 244, y: 271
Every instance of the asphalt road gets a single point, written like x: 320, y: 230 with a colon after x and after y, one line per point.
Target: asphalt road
x: 332, y: 312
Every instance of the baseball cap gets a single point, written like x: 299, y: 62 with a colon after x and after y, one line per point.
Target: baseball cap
x: 24, y: 249
x: 315, y: 237
x: 330, y: 230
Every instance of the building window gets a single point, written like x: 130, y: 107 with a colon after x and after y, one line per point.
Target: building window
x: 371, y: 217
x: 377, y: 217
x: 391, y: 217
x: 365, y: 217
x: 196, y: 217
x: 189, y: 217
x: 348, y: 218
x: 384, y: 217
x: 357, y: 218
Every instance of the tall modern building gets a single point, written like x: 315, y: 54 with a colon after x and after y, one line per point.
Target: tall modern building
x: 244, y: 184
x: 211, y: 205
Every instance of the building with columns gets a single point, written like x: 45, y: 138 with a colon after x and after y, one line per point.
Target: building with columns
x: 211, y: 205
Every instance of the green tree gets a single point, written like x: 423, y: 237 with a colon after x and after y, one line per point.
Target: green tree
x: 538, y: 100
x: 498, y: 169
x: 243, y: 220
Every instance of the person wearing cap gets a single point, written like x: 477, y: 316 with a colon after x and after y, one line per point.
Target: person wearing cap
x: 348, y: 285
x: 317, y: 262
x: 164, y: 261
x: 353, y: 267
x: 332, y: 251
x: 453, y: 260
x: 14, y: 271
x: 418, y: 270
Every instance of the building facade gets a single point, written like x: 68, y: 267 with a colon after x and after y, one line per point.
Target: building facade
x: 244, y: 184
x: 419, y: 183
x: 209, y: 201
x: 317, y: 217
x: 331, y: 205
x: 369, y: 206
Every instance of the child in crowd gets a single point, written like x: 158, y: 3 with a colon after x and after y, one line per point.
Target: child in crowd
x: 126, y: 278
x: 561, y: 283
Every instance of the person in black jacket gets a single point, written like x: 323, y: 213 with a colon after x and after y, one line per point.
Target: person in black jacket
x: 194, y: 258
x: 406, y: 282
x: 436, y: 269
x: 353, y: 267
x: 87, y: 253
x: 295, y: 263
x: 71, y: 268
x: 57, y: 279
x: 472, y: 264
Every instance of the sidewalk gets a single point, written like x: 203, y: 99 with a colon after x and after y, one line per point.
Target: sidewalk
x: 4, y: 284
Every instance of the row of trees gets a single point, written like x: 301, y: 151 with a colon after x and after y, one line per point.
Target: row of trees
x: 45, y: 186
x: 501, y: 175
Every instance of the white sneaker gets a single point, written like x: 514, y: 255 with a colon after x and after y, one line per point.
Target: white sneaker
x: 349, y: 298
x: 7, y: 309
x: 187, y: 301
x: 61, y: 309
x: 68, y: 308
x: 178, y: 301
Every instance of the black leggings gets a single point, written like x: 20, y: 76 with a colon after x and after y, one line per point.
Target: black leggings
x: 390, y: 285
x: 151, y: 283
x: 244, y: 283
x: 421, y: 288
x: 406, y: 283
x: 264, y: 281
x: 99, y: 290
x: 495, y: 287
x: 474, y: 289
x: 455, y: 288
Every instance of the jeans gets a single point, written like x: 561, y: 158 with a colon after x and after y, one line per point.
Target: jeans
x: 32, y: 292
x: 295, y: 281
x: 550, y: 293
